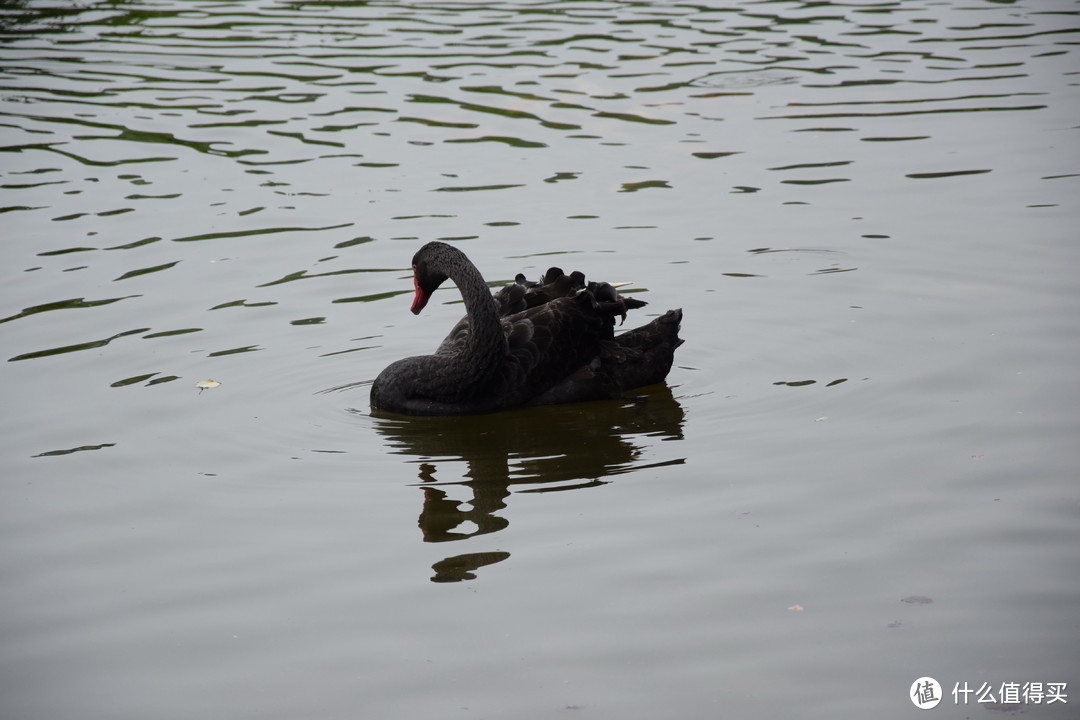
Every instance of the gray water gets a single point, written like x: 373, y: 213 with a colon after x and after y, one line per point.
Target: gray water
x: 861, y: 471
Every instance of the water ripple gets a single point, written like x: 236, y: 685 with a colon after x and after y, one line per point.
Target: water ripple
x: 126, y: 124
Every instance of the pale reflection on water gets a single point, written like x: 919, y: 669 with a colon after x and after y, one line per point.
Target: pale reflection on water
x: 866, y: 211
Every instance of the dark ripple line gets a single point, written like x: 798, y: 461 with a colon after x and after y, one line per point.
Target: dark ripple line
x: 75, y: 348
x: 147, y: 270
x: 305, y: 275
x: 1023, y: 36
x: 474, y: 188
x: 901, y: 81
x: 73, y: 304
x: 258, y: 231
x: 949, y: 173
x: 941, y: 111
x: 504, y: 112
x: 68, y: 451
x: 84, y: 160
x: 989, y: 96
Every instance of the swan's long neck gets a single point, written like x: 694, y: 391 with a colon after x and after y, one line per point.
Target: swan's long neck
x: 485, y: 348
x: 466, y: 373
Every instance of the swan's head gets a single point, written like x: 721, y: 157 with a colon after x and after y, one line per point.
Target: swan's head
x: 427, y: 275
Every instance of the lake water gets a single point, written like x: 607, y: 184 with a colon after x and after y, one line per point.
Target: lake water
x: 862, y: 470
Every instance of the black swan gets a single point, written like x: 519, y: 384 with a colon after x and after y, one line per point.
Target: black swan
x: 507, y: 353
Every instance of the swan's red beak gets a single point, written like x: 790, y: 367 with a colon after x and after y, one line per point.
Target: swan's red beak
x: 420, y: 298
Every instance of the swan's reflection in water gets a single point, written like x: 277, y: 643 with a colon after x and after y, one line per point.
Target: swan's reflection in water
x: 551, y: 448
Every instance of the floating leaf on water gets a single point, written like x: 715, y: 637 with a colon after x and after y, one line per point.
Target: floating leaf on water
x: 797, y: 608
x: 206, y: 384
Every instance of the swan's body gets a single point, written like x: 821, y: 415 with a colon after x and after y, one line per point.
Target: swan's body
x: 507, y: 353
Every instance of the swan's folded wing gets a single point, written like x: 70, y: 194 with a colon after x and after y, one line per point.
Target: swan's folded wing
x: 548, y: 343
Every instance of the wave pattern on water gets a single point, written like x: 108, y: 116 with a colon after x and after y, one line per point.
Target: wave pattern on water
x: 281, y: 68
x: 231, y: 129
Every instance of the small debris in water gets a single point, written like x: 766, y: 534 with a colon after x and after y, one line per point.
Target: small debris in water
x: 916, y: 600
x: 206, y: 385
x: 797, y: 608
